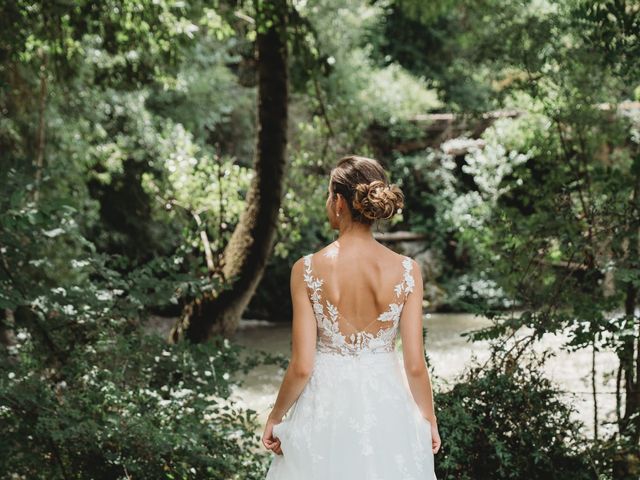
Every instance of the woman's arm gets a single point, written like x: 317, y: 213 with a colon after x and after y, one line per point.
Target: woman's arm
x: 413, y: 348
x: 303, y: 347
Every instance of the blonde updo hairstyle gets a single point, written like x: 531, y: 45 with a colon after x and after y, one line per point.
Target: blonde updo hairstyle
x: 363, y: 183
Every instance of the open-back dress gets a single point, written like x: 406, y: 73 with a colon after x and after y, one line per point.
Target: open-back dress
x: 355, y: 418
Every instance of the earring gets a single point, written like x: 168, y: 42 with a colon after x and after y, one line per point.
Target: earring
x: 338, y: 214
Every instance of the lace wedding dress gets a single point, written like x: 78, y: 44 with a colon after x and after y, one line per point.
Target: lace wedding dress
x: 355, y: 418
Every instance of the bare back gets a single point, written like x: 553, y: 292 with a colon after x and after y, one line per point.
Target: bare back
x: 357, y: 296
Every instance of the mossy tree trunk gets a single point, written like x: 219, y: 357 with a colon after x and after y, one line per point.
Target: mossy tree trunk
x: 245, y: 256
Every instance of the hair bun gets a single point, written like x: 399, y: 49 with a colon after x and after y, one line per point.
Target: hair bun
x: 377, y: 200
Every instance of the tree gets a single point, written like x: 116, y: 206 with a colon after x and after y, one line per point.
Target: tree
x: 245, y: 256
x: 562, y: 230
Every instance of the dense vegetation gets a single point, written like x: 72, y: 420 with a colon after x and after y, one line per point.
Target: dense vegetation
x: 133, y: 140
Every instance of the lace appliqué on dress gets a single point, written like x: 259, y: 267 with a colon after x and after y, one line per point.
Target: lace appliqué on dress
x: 331, y: 339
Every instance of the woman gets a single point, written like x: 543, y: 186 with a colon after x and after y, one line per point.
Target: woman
x: 354, y: 409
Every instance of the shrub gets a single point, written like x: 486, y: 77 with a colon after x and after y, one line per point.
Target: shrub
x: 127, y: 407
x: 507, y: 421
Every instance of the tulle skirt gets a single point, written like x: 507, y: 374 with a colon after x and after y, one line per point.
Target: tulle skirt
x: 355, y: 419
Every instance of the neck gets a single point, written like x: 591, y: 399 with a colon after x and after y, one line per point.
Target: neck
x: 355, y: 231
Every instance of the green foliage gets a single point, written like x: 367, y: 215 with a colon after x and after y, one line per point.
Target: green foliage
x: 87, y: 249
x: 612, y: 28
x: 453, y: 43
x: 430, y: 189
x: 127, y: 137
x: 544, y: 234
x: 127, y: 42
x: 196, y: 188
x: 83, y: 391
x: 554, y: 204
x: 354, y: 93
x: 545, y: 206
x: 335, y: 103
x: 435, y: 40
x: 506, y: 421
x: 126, y: 405
x: 450, y: 198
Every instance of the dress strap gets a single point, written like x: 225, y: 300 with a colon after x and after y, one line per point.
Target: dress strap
x: 406, y: 286
x: 312, y: 282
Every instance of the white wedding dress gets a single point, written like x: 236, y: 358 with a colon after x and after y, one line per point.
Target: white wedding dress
x: 355, y: 418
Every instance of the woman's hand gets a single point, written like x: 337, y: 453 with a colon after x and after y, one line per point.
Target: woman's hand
x: 435, y: 438
x: 268, y: 440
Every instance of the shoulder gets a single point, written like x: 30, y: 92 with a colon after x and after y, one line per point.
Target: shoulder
x: 329, y: 251
x: 408, y: 263
x: 411, y: 266
x: 300, y: 264
x: 412, y: 274
x: 383, y: 250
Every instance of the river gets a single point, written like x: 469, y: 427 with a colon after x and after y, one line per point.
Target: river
x: 448, y: 353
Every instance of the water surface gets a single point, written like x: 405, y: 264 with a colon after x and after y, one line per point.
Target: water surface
x: 448, y: 354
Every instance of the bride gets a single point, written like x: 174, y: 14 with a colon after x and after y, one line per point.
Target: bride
x: 349, y: 406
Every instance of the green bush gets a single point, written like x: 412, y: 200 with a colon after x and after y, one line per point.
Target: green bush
x: 84, y: 392
x: 126, y: 407
x: 507, y: 421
